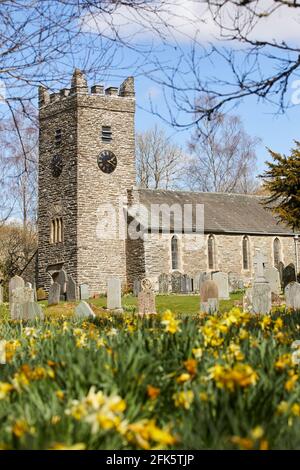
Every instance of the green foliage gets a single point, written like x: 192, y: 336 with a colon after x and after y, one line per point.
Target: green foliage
x: 282, y: 182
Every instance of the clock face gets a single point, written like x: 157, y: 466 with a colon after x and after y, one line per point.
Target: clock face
x: 107, y: 161
x: 56, y: 165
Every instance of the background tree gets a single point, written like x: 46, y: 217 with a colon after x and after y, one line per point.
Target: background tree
x: 158, y: 162
x: 282, y: 181
x: 255, y: 45
x: 222, y: 157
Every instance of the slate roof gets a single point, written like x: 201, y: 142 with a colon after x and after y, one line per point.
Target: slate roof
x: 223, y: 212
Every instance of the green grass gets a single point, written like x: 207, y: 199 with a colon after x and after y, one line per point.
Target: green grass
x: 179, y: 304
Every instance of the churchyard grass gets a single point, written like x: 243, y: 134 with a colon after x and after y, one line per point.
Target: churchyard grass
x: 167, y: 381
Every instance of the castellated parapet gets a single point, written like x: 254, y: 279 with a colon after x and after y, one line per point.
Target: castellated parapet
x: 71, y: 134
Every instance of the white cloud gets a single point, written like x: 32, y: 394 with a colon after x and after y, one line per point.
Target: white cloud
x: 183, y: 20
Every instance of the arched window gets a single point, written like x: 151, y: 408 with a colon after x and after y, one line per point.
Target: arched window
x: 56, y: 230
x: 277, y: 252
x: 174, y: 251
x: 246, y: 252
x: 211, y: 252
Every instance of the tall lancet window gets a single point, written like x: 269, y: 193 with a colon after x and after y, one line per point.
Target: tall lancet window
x: 246, y: 252
x: 277, y: 252
x: 174, y: 252
x: 211, y: 255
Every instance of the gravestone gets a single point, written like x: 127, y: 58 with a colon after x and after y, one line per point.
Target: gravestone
x: 41, y: 294
x: 23, y: 306
x: 288, y: 275
x: 163, y: 283
x: 273, y: 278
x: 259, y: 263
x: 233, y: 281
x: 114, y: 294
x: 261, y: 298
x: 146, y: 299
x: 221, y: 279
x: 176, y: 282
x: 54, y: 294
x: 1, y: 294
x: 15, y: 283
x: 136, y: 287
x: 240, y: 284
x: 84, y: 292
x: 185, y: 284
x: 292, y: 295
x: 280, y: 270
x: 71, y: 289
x: 62, y: 279
x: 260, y: 301
x: 83, y: 310
x: 209, y: 296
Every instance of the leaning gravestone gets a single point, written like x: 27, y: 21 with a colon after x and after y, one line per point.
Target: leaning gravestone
x: 71, y: 289
x: 209, y: 296
x: 163, y: 283
x: 288, y: 274
x: 114, y: 294
x: 83, y: 310
x: 221, y: 279
x: 62, y: 279
x: 54, y: 294
x: 136, y: 287
x: 292, y: 295
x: 15, y: 283
x: 84, y: 292
x: 273, y: 278
x: 176, y: 282
x: 146, y: 299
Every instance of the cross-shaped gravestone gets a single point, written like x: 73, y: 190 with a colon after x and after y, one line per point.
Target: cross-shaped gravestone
x: 259, y: 263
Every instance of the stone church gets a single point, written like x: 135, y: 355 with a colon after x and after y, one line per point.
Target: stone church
x: 87, y: 194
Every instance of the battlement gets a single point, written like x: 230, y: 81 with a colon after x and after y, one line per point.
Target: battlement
x: 79, y: 86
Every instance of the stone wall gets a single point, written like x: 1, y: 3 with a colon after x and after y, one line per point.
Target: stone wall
x: 193, y: 253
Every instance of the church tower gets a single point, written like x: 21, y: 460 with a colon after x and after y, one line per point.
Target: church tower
x: 86, y: 167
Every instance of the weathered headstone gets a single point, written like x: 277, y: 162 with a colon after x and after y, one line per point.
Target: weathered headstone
x: 15, y: 283
x: 292, y: 295
x: 288, y: 274
x: 54, y: 294
x: 1, y: 294
x: 163, y: 283
x: 233, y: 281
x: 146, y: 299
x: 136, y: 287
x: 259, y: 263
x: 84, y: 292
x: 23, y: 306
x: 71, y: 289
x: 114, y: 294
x: 176, y: 282
x: 273, y: 278
x: 41, y: 294
x: 258, y: 299
x: 261, y: 298
x: 185, y: 284
x: 83, y: 310
x: 209, y: 296
x: 241, y: 284
x: 221, y: 279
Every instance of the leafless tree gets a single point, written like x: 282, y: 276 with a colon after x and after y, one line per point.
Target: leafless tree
x: 254, y: 59
x: 159, y: 162
x: 18, y: 165
x: 223, y: 156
